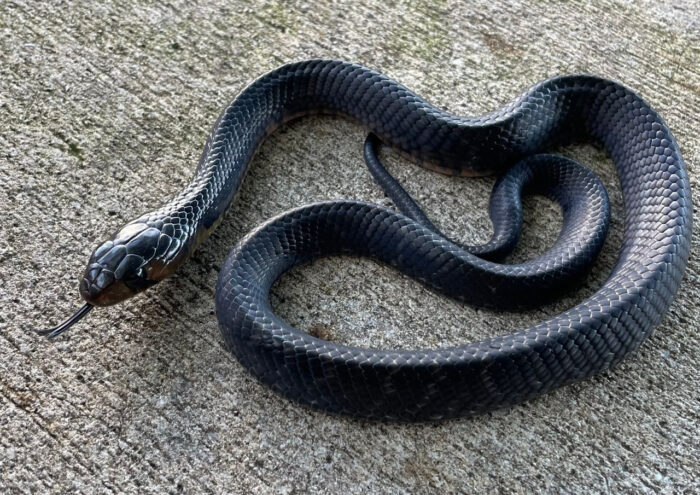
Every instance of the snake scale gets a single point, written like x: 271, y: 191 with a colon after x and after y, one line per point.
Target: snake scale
x: 449, y: 382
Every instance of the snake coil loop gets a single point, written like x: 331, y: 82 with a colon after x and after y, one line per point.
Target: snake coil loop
x: 428, y: 384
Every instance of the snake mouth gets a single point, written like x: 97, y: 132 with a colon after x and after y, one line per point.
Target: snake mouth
x: 99, y: 287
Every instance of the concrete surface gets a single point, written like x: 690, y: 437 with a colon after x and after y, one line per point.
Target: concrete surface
x: 104, y: 108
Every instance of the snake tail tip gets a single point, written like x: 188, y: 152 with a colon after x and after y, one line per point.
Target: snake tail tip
x: 54, y: 332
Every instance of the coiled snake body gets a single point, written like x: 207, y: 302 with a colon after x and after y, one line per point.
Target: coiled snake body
x: 457, y: 381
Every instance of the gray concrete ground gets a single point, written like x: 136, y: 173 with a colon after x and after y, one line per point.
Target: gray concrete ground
x: 104, y: 108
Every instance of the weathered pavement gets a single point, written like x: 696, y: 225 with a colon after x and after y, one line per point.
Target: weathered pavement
x: 104, y: 108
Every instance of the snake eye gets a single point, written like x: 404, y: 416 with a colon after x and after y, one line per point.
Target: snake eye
x: 139, y: 280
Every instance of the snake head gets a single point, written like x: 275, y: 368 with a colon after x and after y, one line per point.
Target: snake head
x: 123, y: 266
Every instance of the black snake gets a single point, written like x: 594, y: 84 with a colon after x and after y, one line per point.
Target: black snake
x: 441, y: 383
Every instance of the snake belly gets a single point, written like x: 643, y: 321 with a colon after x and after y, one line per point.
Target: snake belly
x: 478, y: 376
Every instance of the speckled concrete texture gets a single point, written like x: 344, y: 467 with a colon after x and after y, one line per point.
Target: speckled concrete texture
x: 104, y: 109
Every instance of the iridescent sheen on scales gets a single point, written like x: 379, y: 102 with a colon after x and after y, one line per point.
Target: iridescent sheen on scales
x: 440, y: 383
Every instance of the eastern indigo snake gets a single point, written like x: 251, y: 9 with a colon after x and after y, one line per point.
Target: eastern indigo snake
x: 449, y: 382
